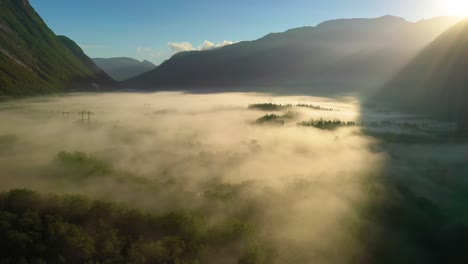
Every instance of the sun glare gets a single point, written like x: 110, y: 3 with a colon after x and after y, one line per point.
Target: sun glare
x: 456, y: 7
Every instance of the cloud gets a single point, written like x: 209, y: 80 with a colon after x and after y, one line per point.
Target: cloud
x: 207, y: 45
x: 177, y: 47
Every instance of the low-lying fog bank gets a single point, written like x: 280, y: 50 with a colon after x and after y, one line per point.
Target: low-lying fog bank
x: 309, y: 191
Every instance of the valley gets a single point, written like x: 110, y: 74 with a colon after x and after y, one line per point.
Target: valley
x: 273, y: 189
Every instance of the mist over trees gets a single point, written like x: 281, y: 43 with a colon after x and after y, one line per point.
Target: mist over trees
x: 205, y: 176
x: 158, y: 180
x: 74, y: 229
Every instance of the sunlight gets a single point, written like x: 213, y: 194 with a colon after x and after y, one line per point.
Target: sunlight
x: 234, y: 132
x: 456, y: 7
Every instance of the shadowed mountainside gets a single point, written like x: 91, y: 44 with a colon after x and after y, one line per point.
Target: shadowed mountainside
x: 33, y: 60
x: 121, y: 69
x: 336, y: 56
x: 435, y: 82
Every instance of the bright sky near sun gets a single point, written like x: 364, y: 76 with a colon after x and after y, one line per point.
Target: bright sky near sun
x: 154, y: 29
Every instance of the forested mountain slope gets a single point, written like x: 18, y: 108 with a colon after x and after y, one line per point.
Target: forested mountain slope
x: 33, y: 60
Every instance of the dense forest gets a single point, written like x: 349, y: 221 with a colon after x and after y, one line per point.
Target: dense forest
x: 37, y: 228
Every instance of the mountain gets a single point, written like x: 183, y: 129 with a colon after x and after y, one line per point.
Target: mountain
x: 121, y: 69
x: 336, y: 56
x: 436, y: 82
x: 33, y: 60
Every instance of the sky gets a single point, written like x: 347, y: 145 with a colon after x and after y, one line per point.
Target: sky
x: 156, y: 29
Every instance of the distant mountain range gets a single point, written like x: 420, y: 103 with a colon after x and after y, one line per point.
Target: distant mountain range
x: 436, y: 81
x: 33, y: 60
x: 121, y: 69
x: 339, y: 56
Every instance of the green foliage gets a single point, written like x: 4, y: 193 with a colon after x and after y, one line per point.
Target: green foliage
x: 326, y: 124
x: 223, y: 192
x: 274, y: 119
x: 33, y: 60
x: 315, y: 107
x: 289, y: 115
x: 230, y: 230
x: 269, y: 107
x: 71, y: 168
x: 74, y: 229
x: 257, y: 255
x: 403, y: 227
x: 82, y: 164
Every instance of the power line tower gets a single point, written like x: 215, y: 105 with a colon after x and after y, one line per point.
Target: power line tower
x: 89, y: 117
x: 87, y: 120
x: 82, y: 113
x: 65, y: 115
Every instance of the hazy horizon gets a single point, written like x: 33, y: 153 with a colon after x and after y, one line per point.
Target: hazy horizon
x: 153, y: 30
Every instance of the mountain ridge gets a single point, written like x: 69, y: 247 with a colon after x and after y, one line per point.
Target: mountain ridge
x: 435, y: 82
x: 123, y: 68
x: 299, y: 57
x: 33, y: 60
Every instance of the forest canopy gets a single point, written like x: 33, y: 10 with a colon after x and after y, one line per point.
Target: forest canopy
x: 37, y: 228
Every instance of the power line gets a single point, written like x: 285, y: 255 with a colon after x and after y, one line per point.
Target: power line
x: 84, y: 113
x: 65, y: 115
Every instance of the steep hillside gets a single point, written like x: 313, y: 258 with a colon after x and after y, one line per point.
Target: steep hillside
x: 436, y: 81
x: 33, y: 60
x: 121, y: 69
x: 336, y: 56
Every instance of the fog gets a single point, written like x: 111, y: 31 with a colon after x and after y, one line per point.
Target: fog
x: 303, y: 189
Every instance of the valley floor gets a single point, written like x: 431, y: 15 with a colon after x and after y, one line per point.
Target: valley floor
x: 227, y: 178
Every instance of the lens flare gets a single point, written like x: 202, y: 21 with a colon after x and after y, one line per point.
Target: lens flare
x: 455, y: 7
